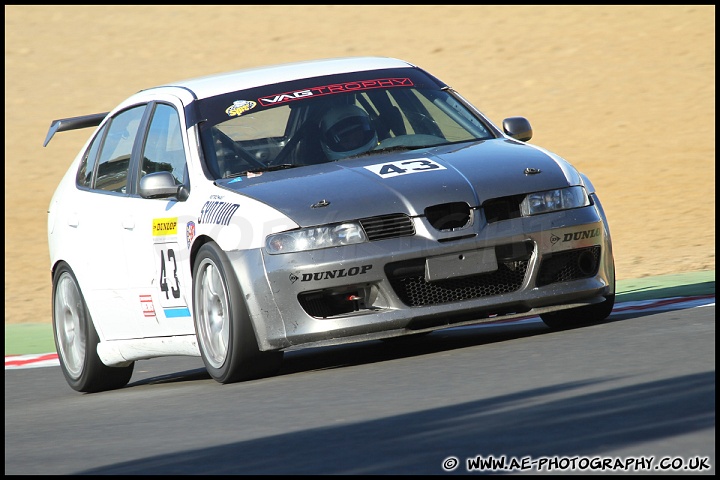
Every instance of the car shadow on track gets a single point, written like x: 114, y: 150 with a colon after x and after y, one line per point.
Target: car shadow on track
x: 373, y: 351
x: 591, y: 419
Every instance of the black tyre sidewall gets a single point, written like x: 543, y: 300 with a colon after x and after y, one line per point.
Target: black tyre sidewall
x: 582, y: 316
x: 579, y: 317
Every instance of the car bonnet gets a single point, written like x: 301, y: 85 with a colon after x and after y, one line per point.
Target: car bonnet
x: 406, y: 182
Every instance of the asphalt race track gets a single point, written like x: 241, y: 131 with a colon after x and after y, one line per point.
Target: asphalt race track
x: 633, y: 394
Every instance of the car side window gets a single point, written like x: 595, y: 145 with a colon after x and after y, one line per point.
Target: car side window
x: 163, y: 149
x: 84, y: 175
x: 114, y: 160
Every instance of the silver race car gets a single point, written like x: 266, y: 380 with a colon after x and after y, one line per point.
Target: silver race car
x: 241, y: 215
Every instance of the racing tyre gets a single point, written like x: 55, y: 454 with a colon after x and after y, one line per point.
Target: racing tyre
x: 579, y: 317
x: 224, y: 331
x: 76, y: 339
x: 582, y: 316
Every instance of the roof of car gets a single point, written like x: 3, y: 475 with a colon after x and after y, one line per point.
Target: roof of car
x: 211, y: 85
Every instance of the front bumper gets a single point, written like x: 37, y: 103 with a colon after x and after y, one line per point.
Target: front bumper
x: 428, y: 281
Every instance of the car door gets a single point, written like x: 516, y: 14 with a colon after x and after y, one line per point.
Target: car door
x: 98, y: 220
x: 156, y: 233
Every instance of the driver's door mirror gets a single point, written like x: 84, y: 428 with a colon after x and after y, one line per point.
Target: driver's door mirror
x: 162, y: 185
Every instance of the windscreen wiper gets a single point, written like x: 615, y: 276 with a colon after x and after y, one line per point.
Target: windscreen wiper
x: 269, y: 168
x: 394, y: 148
x: 272, y: 168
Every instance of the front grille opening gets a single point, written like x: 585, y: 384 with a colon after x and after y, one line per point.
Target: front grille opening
x: 407, y: 279
x: 448, y: 216
x: 503, y: 208
x: 388, y: 226
x: 333, y: 302
x: 570, y: 265
x: 514, y: 251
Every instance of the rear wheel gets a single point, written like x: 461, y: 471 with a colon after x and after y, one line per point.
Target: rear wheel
x: 224, y: 331
x: 76, y: 339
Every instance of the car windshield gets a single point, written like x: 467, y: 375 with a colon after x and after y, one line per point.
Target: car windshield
x: 329, y: 119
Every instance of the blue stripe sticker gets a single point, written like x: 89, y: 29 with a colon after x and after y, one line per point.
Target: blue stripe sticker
x: 177, y: 312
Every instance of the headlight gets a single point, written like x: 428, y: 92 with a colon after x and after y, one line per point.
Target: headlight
x: 554, y: 200
x: 314, y: 238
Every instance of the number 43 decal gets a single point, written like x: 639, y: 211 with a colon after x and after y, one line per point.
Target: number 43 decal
x: 169, y: 275
x: 393, y: 169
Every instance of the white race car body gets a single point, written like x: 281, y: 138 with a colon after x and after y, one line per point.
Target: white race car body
x: 446, y: 221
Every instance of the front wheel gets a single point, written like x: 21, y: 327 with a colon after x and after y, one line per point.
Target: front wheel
x: 224, y: 331
x: 76, y: 339
x: 580, y: 316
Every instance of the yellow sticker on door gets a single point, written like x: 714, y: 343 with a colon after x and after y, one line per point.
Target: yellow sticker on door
x: 164, y: 226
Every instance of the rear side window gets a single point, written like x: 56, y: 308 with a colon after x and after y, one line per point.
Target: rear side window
x: 114, y: 160
x: 85, y: 172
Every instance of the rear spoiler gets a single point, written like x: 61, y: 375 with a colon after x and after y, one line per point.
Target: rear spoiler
x: 74, y: 123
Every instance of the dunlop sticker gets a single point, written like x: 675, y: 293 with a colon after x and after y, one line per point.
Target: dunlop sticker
x: 164, y: 226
